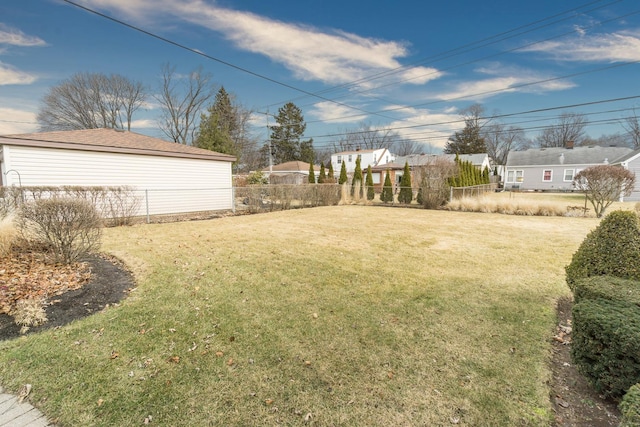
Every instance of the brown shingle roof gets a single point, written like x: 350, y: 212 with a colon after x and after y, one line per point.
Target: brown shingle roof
x: 113, y: 141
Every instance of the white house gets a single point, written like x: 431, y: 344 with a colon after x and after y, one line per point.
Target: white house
x: 371, y: 158
x: 168, y: 177
x: 631, y: 162
x: 294, y: 172
x: 553, y: 169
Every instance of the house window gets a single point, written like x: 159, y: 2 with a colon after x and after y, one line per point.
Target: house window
x: 568, y: 175
x: 515, y: 176
x: 376, y: 177
x: 547, y: 175
x: 339, y: 159
x: 350, y: 158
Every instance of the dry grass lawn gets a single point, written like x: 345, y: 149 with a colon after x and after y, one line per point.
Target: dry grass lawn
x: 347, y: 315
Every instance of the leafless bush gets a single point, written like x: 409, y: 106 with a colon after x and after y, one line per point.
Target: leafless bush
x: 434, y: 181
x: 328, y: 194
x: 121, y: 205
x: 10, y: 199
x: 29, y: 313
x: 603, y: 184
x: 71, y: 227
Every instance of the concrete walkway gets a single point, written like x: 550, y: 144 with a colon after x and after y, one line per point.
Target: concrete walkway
x: 14, y: 414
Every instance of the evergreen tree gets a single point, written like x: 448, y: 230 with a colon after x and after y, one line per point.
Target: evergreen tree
x: 406, y: 192
x: 322, y: 178
x: 343, y: 174
x: 331, y: 176
x: 218, y: 125
x: 286, y: 143
x: 387, y: 190
x: 370, y: 190
x: 357, y: 176
x: 467, y: 141
x: 312, y: 174
x: 419, y: 197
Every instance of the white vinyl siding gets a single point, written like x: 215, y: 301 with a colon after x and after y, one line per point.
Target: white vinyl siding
x: 174, y: 184
x: 547, y: 175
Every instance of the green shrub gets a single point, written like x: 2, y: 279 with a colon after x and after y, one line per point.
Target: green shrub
x: 613, y: 249
x: 630, y: 407
x: 70, y: 227
x: 606, y: 344
x: 406, y: 190
x: 387, y: 190
x: 609, y: 288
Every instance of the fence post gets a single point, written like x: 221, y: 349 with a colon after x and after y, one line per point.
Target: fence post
x: 233, y: 199
x: 146, y: 199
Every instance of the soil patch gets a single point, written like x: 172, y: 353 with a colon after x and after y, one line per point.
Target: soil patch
x: 109, y: 283
x: 574, y: 400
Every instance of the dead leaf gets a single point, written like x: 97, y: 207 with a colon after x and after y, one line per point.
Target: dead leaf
x: 24, y: 392
x: 174, y: 359
x: 269, y: 401
x: 230, y: 362
x: 114, y: 354
x: 219, y: 354
x: 100, y: 402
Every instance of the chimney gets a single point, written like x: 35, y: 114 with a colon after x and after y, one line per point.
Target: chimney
x: 569, y: 145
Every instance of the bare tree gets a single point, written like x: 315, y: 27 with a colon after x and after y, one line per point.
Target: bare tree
x: 604, y: 184
x: 366, y: 137
x: 182, y: 100
x: 500, y: 140
x: 632, y: 126
x: 433, y: 180
x: 91, y: 101
x: 568, y: 129
x: 406, y: 147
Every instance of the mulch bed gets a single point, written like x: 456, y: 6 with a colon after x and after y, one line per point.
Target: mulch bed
x: 108, y: 283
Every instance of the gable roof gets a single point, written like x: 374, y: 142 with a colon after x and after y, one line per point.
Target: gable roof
x: 372, y: 150
x: 591, y: 155
x: 112, y: 141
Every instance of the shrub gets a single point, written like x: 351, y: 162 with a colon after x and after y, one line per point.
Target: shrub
x: 257, y: 177
x: 8, y: 234
x: 406, y: 190
x: 603, y: 184
x: 29, y: 313
x: 369, y: 183
x: 606, y: 344
x: 630, y: 407
x: 609, y: 288
x: 613, y: 249
x: 387, y: 190
x: 71, y: 227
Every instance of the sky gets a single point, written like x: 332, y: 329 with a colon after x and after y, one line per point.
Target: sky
x: 410, y: 66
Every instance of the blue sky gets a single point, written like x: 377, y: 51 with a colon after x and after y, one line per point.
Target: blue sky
x: 408, y: 65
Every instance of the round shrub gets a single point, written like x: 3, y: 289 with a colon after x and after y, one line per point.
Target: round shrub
x: 606, y: 344
x: 630, y: 407
x: 613, y: 249
x: 70, y: 227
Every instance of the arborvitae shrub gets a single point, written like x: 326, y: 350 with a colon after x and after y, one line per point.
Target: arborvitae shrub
x: 630, y: 408
x: 343, y: 174
x: 330, y: 175
x: 387, y: 190
x: 312, y: 174
x: 606, y: 344
x: 609, y: 288
x: 322, y: 178
x: 613, y: 249
x: 369, y: 182
x: 406, y: 192
x: 419, y: 197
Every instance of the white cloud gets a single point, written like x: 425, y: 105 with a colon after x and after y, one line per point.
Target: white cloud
x: 15, y: 37
x: 14, y: 121
x: 504, y: 79
x: 144, y: 124
x: 12, y: 76
x: 330, y: 56
x: 614, y: 47
x: 428, y: 127
x: 329, y: 111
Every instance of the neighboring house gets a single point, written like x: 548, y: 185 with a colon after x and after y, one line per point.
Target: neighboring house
x: 377, y: 157
x: 294, y: 172
x: 480, y: 160
x: 554, y: 168
x: 379, y: 173
x: 632, y: 162
x: 168, y: 177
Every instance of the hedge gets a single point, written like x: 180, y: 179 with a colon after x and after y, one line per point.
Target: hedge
x: 630, y: 407
x: 609, y: 288
x: 606, y: 344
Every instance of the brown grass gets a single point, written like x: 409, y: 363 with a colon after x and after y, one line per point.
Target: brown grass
x: 356, y: 315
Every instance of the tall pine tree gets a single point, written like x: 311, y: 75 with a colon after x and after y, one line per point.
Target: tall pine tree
x: 286, y: 136
x: 219, y: 125
x: 322, y: 178
x: 357, y: 177
x: 312, y: 174
x: 331, y: 176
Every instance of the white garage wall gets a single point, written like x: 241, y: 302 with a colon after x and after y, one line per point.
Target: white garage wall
x: 173, y: 185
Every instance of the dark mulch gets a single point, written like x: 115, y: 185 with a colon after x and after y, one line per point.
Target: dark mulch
x: 109, y: 283
x: 575, y: 402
